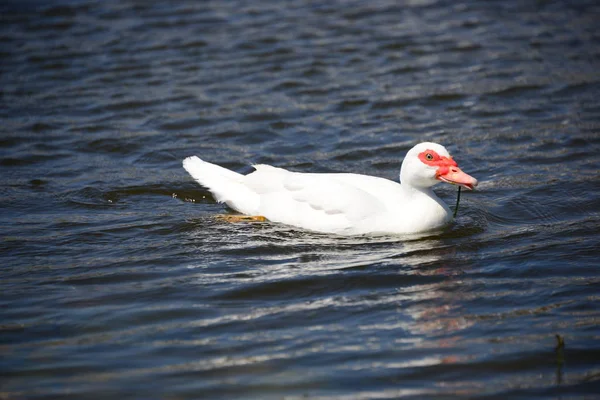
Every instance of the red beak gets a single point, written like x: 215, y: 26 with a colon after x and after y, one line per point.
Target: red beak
x: 456, y: 176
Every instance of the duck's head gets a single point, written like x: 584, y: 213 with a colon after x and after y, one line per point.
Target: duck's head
x: 428, y: 163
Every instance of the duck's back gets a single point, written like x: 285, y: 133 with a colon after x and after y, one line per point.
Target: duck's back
x: 322, y: 202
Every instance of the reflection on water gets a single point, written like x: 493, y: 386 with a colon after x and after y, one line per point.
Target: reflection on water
x: 410, y: 270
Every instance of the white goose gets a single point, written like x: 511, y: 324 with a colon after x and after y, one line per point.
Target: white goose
x: 346, y: 204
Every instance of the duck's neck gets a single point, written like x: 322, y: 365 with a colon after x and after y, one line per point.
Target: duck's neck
x: 415, y: 191
x: 424, y: 194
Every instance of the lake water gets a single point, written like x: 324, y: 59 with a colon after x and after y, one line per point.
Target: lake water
x: 117, y: 280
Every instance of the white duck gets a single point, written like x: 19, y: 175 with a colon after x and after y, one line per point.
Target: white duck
x: 347, y: 204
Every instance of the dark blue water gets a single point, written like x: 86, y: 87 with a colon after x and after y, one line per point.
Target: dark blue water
x: 117, y: 281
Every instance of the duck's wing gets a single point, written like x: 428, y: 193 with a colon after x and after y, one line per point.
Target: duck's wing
x: 321, y: 202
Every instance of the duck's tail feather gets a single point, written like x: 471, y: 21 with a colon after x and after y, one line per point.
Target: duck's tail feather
x: 225, y: 185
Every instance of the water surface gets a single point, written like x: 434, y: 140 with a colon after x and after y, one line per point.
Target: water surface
x: 117, y: 280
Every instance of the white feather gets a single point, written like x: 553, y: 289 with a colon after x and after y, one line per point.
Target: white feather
x: 225, y: 185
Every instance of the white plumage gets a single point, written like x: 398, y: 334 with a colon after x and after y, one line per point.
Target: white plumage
x: 338, y: 203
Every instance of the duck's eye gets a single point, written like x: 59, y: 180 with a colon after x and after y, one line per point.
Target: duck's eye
x: 429, y: 157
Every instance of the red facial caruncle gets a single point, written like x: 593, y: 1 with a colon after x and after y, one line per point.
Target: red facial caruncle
x: 447, y: 169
